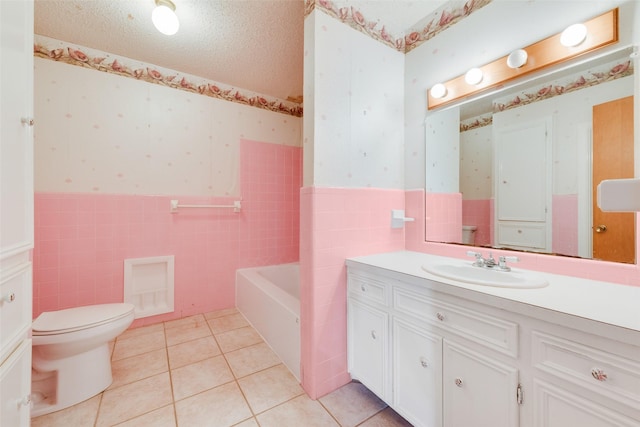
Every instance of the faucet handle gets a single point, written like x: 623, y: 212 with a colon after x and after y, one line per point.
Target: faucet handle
x: 502, y: 262
x: 479, y: 260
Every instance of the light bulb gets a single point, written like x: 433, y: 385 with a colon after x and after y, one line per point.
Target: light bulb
x: 573, y: 35
x: 164, y: 18
x: 473, y: 76
x: 438, y: 91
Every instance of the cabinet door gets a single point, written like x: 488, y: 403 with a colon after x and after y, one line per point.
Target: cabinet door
x: 367, y: 346
x: 557, y: 407
x: 16, y: 138
x: 478, y: 391
x: 417, y: 374
x: 15, y: 387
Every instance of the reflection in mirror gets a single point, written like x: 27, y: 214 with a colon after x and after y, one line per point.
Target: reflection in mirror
x: 516, y: 165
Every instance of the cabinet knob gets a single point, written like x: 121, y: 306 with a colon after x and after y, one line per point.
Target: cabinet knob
x: 27, y: 121
x: 11, y: 297
x: 374, y: 335
x: 364, y: 289
x: 424, y: 363
x: 25, y: 401
x: 440, y: 316
x: 598, y: 374
x: 458, y: 382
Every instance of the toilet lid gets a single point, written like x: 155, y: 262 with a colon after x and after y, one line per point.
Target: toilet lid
x: 79, y: 317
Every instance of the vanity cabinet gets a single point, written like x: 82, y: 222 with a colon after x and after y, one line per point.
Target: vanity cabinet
x: 453, y: 359
x: 435, y: 363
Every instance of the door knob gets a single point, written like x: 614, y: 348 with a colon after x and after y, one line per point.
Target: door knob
x: 601, y: 228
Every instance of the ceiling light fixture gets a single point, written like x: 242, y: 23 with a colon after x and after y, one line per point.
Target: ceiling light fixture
x: 438, y: 90
x: 164, y: 17
x: 573, y: 35
x: 517, y: 58
x: 473, y: 76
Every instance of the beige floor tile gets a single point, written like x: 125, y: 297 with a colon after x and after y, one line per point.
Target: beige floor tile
x: 266, y: 389
x: 227, y: 323
x: 185, y: 321
x: 251, y: 359
x: 81, y: 415
x: 238, y: 338
x: 187, y: 332
x: 295, y: 413
x: 136, y: 332
x: 352, y: 403
x: 135, y: 368
x: 163, y: 417
x: 132, y: 400
x: 136, y: 345
x: 219, y: 407
x: 200, y: 376
x: 192, y: 351
x: 386, y: 418
x: 220, y: 313
x: 251, y: 422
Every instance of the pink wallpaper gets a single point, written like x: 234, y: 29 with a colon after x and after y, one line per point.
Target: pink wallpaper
x: 336, y: 223
x: 81, y: 239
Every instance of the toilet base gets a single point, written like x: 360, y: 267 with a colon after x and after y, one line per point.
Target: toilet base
x: 59, y: 384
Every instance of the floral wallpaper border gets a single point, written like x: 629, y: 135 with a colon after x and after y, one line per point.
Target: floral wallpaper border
x: 60, y: 51
x: 440, y: 20
x: 605, y: 73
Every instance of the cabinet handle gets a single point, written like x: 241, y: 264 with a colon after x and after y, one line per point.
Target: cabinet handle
x: 458, y: 382
x: 9, y: 297
x: 598, y: 374
x: 374, y: 335
x: 27, y: 121
x: 440, y: 316
x: 424, y: 363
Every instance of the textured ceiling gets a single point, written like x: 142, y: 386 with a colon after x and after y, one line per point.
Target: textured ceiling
x: 250, y: 44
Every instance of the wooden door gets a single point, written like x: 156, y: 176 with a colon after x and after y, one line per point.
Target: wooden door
x: 613, y: 157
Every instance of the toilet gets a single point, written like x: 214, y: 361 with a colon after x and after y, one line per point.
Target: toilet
x: 71, y: 357
x: 469, y: 234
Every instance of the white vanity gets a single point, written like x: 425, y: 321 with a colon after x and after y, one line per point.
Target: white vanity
x: 443, y: 352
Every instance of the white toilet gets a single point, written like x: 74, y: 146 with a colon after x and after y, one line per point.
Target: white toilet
x: 71, y: 357
x: 469, y: 234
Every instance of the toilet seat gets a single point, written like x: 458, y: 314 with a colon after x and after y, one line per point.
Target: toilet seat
x: 79, y: 318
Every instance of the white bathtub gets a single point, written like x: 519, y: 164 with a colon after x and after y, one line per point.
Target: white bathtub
x: 269, y: 298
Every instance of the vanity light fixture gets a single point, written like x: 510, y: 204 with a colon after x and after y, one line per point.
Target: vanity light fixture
x: 473, y: 76
x: 164, y: 17
x: 573, y: 35
x: 517, y: 58
x: 439, y: 90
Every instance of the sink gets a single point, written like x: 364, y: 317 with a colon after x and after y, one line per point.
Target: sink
x: 468, y: 273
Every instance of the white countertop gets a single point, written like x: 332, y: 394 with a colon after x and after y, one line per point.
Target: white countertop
x: 608, y: 303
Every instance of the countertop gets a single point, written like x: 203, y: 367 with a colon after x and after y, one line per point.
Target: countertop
x: 610, y: 308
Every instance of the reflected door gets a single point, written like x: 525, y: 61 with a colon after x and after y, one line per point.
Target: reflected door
x: 613, y: 232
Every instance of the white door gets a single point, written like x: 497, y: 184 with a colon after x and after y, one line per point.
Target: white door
x: 523, y: 184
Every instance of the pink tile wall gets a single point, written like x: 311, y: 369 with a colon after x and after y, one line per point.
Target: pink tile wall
x: 444, y: 211
x: 478, y: 213
x: 337, y: 223
x: 81, y: 240
x: 565, y: 224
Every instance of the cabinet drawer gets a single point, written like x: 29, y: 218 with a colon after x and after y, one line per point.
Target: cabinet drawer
x: 15, y: 307
x: 530, y: 235
x: 489, y: 331
x: 605, y: 373
x: 368, y: 288
x: 15, y: 387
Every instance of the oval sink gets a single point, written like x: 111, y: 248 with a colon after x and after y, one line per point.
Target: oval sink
x: 468, y: 273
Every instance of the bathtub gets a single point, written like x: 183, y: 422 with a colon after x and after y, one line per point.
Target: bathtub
x: 269, y: 298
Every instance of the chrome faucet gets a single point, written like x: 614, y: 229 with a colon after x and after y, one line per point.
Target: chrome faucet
x: 491, y: 263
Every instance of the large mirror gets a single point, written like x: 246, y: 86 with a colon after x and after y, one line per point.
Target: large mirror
x: 519, y: 165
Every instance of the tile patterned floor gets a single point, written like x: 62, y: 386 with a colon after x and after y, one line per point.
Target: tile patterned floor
x: 212, y: 370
